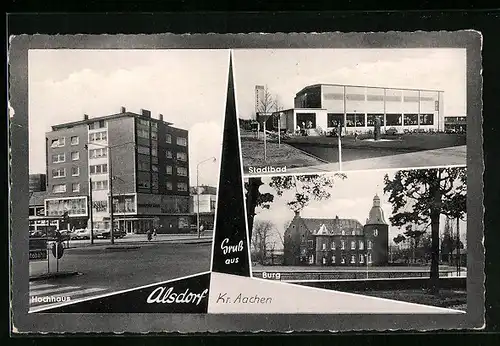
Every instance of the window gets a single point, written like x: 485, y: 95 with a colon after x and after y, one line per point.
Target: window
x: 324, y: 260
x: 375, y: 232
x: 342, y: 232
x: 342, y: 244
x: 143, y: 122
x: 353, y: 232
x: 59, y: 173
x: 182, y: 141
x: 361, y: 258
x: 370, y: 244
x: 143, y: 133
x: 154, y: 132
x: 169, y: 185
x: 75, y: 140
x: 311, y: 259
x: 75, y: 187
x: 361, y: 245
x: 75, y: 156
x: 168, y: 138
x: 333, y: 258
x: 143, y: 150
x: 426, y: 119
x: 98, y: 153
x: 393, y: 119
x: 324, y: 246
x: 154, y: 168
x: 353, y: 245
x: 143, y: 166
x: 100, y: 185
x: 371, y: 119
x: 334, y: 119
x: 181, y: 187
x: 369, y: 258
x: 333, y: 245
x: 75, y: 171
x: 169, y: 169
x: 411, y: 119
x: 59, y: 188
x: 182, y: 171
x: 99, y: 169
x: 342, y: 260
x: 98, y: 136
x: 97, y: 125
x: 168, y: 154
x: 154, y: 125
x: 57, y: 143
x: 353, y: 259
x: 181, y: 156
x: 154, y: 149
x: 58, y: 158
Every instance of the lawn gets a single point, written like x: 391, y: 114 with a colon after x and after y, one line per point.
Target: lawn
x: 402, y: 143
x: 252, y: 150
x: 446, y: 298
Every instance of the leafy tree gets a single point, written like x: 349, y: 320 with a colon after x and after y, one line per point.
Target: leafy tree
x: 306, y: 187
x: 414, y: 235
x: 420, y: 196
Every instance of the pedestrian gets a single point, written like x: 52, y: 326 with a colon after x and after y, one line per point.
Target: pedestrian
x: 154, y: 233
x: 149, y: 235
x: 355, y: 136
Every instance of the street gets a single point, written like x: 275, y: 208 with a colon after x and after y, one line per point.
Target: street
x: 104, y: 270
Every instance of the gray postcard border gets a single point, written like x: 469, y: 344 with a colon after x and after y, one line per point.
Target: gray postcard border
x: 22, y: 322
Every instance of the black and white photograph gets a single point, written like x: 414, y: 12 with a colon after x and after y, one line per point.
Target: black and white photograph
x: 140, y: 128
x: 246, y: 182
x: 327, y: 110
x: 398, y: 235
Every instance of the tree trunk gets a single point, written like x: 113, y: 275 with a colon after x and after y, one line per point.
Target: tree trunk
x: 435, y: 192
x: 252, y: 195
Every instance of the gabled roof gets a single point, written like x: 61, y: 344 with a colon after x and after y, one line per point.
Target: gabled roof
x: 333, y: 226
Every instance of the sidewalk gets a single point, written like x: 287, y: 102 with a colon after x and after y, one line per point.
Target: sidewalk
x: 452, y: 156
x: 135, y: 239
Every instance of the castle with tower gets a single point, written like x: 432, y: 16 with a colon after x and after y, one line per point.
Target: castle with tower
x: 338, y: 242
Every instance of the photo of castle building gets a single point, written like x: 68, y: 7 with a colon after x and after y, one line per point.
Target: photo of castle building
x: 337, y: 241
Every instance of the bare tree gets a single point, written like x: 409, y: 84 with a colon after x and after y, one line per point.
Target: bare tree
x: 266, y: 103
x: 261, y: 240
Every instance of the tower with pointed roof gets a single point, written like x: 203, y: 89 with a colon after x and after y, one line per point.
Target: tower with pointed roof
x: 376, y: 231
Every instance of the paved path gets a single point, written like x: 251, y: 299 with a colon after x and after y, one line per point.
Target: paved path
x: 451, y: 156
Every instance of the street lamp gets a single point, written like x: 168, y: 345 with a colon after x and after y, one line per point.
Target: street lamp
x: 110, y: 184
x: 213, y: 159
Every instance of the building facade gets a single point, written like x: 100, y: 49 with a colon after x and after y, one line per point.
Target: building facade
x: 37, y: 182
x: 204, y: 204
x: 149, y: 161
x: 338, y: 242
x: 322, y: 107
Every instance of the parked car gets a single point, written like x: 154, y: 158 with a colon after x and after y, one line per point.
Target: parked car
x: 80, y: 234
x: 392, y: 131
x: 105, y: 233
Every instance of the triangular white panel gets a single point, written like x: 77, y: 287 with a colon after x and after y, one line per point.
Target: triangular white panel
x: 244, y: 295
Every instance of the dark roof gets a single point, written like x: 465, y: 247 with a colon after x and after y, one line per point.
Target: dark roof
x: 363, y: 86
x: 37, y: 197
x: 334, y: 226
x: 106, y: 117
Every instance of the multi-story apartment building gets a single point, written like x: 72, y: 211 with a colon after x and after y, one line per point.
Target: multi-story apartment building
x: 150, y: 172
x: 355, y: 108
x: 338, y: 242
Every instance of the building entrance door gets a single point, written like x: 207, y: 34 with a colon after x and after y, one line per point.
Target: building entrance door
x: 306, y: 120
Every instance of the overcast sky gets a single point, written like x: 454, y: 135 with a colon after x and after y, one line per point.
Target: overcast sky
x: 187, y: 86
x: 351, y: 198
x: 287, y: 71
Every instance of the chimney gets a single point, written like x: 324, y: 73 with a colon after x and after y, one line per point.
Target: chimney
x: 85, y: 117
x: 161, y: 117
x: 123, y: 109
x: 146, y: 113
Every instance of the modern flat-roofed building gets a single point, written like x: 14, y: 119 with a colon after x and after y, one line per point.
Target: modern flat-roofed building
x: 322, y: 107
x: 150, y: 171
x: 204, y: 204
